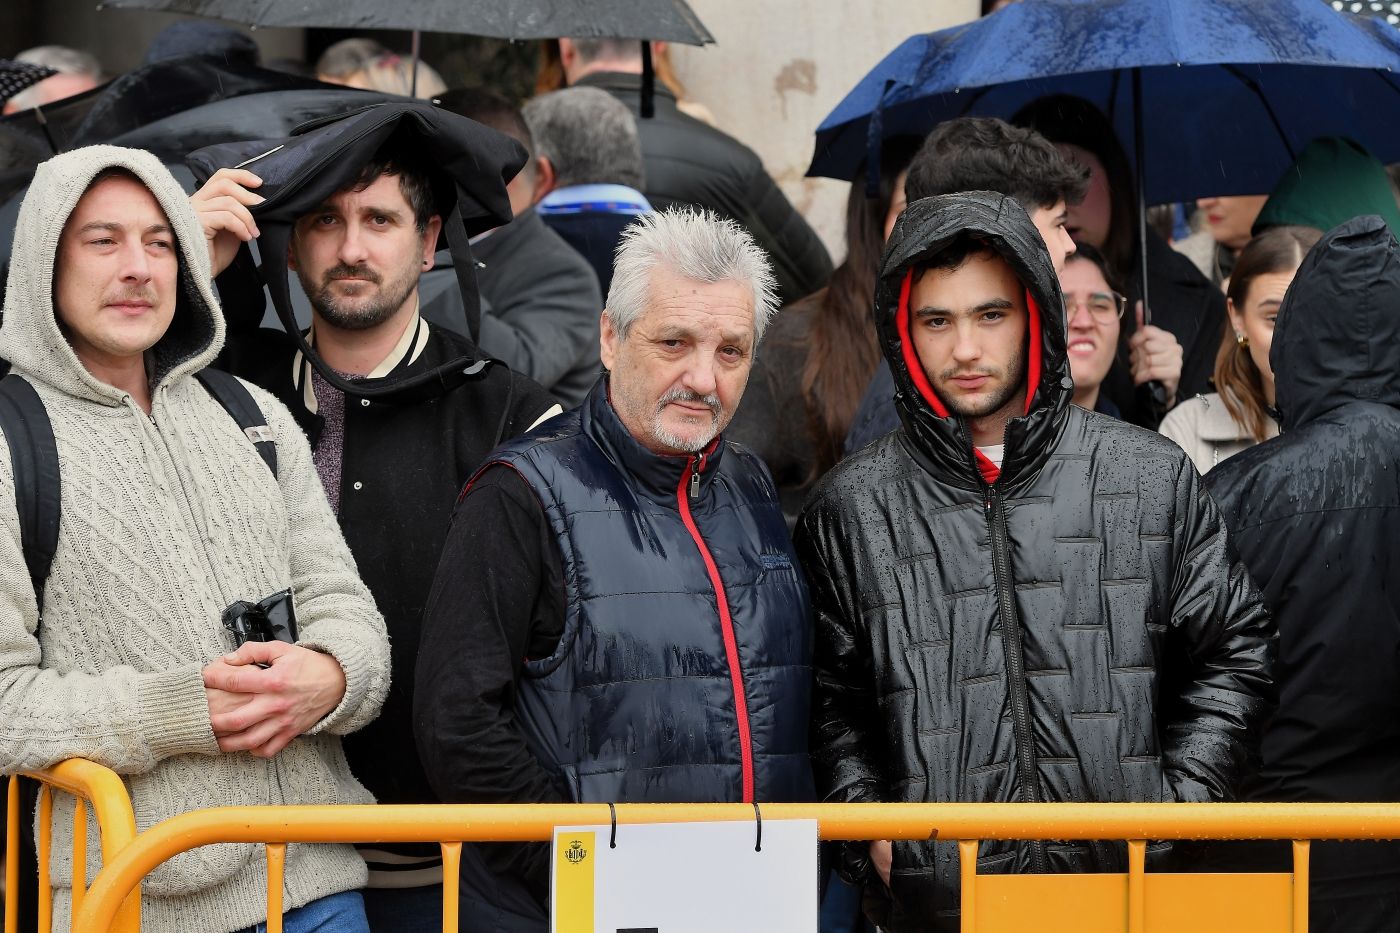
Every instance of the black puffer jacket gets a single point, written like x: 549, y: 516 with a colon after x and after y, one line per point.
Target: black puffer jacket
x: 1076, y: 631
x: 1314, y: 514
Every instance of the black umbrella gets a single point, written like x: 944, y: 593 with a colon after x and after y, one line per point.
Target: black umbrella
x: 669, y: 20
x: 654, y: 20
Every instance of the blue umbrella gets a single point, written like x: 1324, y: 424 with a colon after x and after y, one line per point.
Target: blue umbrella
x: 1230, y: 90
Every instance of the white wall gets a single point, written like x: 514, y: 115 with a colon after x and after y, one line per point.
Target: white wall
x: 780, y: 66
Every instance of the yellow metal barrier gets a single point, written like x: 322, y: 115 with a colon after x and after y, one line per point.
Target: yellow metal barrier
x: 92, y: 786
x: 1136, y: 902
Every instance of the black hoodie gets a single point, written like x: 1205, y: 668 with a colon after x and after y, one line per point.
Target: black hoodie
x: 1314, y: 513
x: 1073, y: 631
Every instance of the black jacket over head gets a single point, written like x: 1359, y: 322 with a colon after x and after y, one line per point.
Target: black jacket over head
x: 692, y: 163
x: 467, y: 166
x: 1314, y: 514
x: 1076, y: 630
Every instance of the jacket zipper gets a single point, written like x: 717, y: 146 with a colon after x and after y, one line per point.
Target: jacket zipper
x: 1029, y: 789
x: 690, y: 489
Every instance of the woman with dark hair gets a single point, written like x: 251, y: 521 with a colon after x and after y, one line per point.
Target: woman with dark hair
x: 1239, y: 414
x: 820, y: 352
x: 1184, y: 302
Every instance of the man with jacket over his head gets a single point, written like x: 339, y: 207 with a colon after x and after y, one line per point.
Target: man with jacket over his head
x: 1016, y: 599
x: 618, y: 615
x: 1314, y: 514
x: 392, y: 465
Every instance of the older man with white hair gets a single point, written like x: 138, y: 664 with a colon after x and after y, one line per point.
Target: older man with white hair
x: 618, y: 614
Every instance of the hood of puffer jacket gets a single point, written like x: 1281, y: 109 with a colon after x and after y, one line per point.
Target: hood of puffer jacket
x: 926, y: 228
x: 1337, y: 339
x: 30, y: 337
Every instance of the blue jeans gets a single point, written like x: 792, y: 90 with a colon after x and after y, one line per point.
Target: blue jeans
x: 338, y: 913
x: 404, y: 910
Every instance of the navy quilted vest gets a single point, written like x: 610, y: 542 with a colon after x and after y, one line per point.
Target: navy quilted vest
x: 684, y: 670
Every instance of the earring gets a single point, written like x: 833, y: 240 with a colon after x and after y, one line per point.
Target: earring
x: 425, y: 262
x: 1241, y: 340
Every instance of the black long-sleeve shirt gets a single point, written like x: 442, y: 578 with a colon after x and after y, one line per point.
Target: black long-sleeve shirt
x: 498, y: 600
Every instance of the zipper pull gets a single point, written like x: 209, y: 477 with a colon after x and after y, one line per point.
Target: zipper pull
x: 696, y: 466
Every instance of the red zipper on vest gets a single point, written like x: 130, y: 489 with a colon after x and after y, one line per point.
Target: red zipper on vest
x: 691, y: 479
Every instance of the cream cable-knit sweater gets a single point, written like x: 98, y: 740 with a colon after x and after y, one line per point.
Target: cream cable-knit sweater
x: 167, y: 520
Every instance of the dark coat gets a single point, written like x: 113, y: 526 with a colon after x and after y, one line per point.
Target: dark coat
x: 1187, y: 305
x: 683, y: 674
x: 1075, y: 631
x: 594, y: 235
x: 540, y: 309
x: 772, y: 418
x: 402, y: 468
x: 1314, y: 514
x: 690, y: 162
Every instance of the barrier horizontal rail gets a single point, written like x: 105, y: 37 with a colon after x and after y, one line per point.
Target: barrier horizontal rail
x: 451, y: 825
x: 94, y: 787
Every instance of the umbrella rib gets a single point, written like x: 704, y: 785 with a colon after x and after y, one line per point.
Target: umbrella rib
x: 1253, y: 85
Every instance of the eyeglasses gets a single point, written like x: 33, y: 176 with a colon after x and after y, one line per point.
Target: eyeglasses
x: 1104, y: 306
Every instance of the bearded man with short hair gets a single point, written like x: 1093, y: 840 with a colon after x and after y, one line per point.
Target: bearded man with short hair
x: 391, y: 465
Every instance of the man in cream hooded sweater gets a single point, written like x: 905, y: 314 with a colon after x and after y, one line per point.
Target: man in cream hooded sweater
x: 168, y: 516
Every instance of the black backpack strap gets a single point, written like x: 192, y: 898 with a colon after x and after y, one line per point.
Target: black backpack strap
x: 240, y: 405
x: 38, y: 489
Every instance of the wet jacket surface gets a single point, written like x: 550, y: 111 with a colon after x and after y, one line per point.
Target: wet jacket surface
x: 683, y: 673
x: 1076, y: 631
x: 1314, y: 515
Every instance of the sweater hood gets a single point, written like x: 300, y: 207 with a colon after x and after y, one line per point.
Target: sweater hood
x: 1332, y: 181
x: 925, y: 229
x: 1338, y: 333
x: 30, y: 337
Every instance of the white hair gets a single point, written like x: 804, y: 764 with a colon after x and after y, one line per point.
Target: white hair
x: 695, y: 244
x: 61, y: 59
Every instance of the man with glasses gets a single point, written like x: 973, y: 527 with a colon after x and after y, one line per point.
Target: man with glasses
x: 1016, y: 600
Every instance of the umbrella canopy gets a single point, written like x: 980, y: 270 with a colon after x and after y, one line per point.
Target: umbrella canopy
x: 17, y: 76
x: 669, y: 20
x: 1231, y: 90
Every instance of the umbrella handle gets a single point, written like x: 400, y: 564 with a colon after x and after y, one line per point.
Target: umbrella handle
x: 413, y: 79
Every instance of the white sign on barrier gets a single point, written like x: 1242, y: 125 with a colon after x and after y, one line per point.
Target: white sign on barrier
x: 737, y: 877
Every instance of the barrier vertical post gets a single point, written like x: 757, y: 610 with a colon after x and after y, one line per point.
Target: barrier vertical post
x: 276, y: 870
x: 45, y: 846
x: 967, y: 863
x: 12, y: 856
x: 451, y: 877
x: 79, y: 852
x: 1137, y: 885
x: 1302, y: 850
